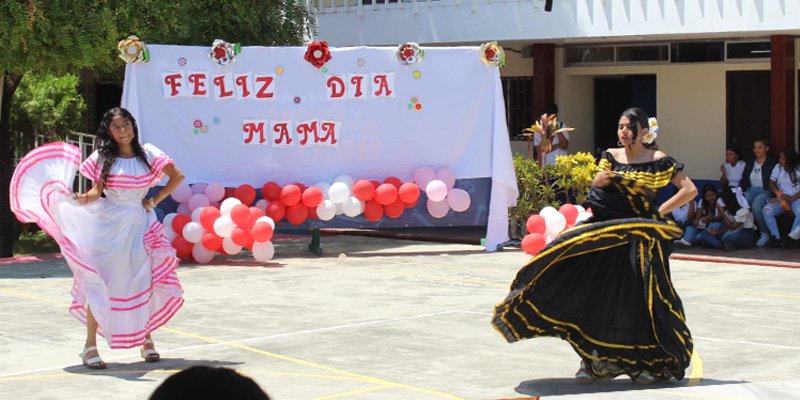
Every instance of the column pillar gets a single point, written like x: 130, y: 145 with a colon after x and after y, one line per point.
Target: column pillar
x: 782, y: 62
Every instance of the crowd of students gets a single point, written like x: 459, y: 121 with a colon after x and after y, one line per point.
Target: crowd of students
x: 744, y: 212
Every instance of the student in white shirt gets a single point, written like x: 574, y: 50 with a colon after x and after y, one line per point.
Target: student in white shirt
x: 738, y: 229
x: 708, y: 215
x: 785, y: 183
x: 732, y: 168
x: 560, y: 142
x: 755, y: 184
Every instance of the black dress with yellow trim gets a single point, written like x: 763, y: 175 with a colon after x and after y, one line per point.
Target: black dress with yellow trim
x: 605, y: 286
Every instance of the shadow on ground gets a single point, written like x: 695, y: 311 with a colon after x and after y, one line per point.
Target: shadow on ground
x: 137, y: 370
x: 567, y: 386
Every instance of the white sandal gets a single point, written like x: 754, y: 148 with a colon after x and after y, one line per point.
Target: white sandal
x: 149, y: 355
x: 94, y: 362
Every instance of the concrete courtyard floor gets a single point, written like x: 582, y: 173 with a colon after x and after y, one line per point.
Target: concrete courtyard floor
x: 378, y: 318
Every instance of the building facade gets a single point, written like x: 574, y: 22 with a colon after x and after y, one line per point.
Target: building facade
x: 714, y: 72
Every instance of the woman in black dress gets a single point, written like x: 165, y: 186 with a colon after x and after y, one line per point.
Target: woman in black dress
x: 604, y: 286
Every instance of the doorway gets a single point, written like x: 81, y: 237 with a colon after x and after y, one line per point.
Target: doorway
x: 612, y: 96
x: 747, y: 114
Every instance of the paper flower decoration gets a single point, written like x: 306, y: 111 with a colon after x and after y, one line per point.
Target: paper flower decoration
x: 652, y: 131
x: 132, y: 50
x: 409, y: 53
x: 317, y: 54
x: 223, y: 53
x: 492, y: 54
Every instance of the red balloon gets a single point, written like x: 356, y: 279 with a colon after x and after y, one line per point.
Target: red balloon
x: 262, y: 232
x: 373, y: 211
x: 533, y: 243
x: 312, y: 213
x: 312, y: 197
x: 411, y: 205
x: 241, y: 237
x: 255, y: 213
x: 290, y: 195
x: 408, y: 192
x: 536, y: 224
x: 393, y: 181
x: 271, y: 191
x: 276, y: 210
x: 246, y: 194
x: 395, y: 210
x: 182, y: 247
x: 229, y: 192
x: 240, y: 214
x: 570, y: 212
x: 375, y: 184
x: 386, y: 194
x: 301, y: 186
x: 179, y: 222
x: 207, y: 218
x: 363, y: 190
x: 296, y: 214
x: 211, y: 241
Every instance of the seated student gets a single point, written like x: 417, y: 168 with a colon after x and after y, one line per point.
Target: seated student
x: 738, y: 230
x: 707, y: 215
x: 785, y: 183
x: 733, y: 167
x: 683, y: 215
x: 208, y: 383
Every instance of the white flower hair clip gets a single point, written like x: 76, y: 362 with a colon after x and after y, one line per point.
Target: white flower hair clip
x: 652, y: 131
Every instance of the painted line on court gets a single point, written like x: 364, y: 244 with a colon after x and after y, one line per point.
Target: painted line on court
x: 114, y: 372
x: 353, y: 392
x: 780, y: 346
x: 747, y: 292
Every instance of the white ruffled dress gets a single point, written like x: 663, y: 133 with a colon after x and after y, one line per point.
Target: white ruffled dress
x: 122, y: 262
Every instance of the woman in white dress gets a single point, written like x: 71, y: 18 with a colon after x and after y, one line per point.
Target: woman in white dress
x: 125, y: 285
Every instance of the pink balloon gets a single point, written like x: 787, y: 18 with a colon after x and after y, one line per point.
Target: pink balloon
x: 447, y: 176
x: 198, y: 200
x: 182, y: 193
x: 199, y: 187
x: 436, y: 190
x: 215, y: 192
x: 570, y: 212
x: 458, y: 200
x: 437, y: 209
x: 423, y: 175
x: 184, y: 209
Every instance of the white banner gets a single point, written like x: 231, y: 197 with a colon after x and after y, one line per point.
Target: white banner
x: 272, y: 116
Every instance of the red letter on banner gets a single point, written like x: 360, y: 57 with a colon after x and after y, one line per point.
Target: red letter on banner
x: 281, y: 128
x: 174, y: 82
x: 223, y: 92
x: 264, y: 85
x: 251, y: 127
x: 357, y: 82
x: 242, y: 83
x: 198, y: 82
x: 304, y: 129
x: 330, y: 128
x: 336, y: 87
x: 384, y: 83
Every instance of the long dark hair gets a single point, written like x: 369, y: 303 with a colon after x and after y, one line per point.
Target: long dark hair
x: 792, y: 160
x: 109, y: 149
x: 638, y: 120
x: 708, y: 209
x: 729, y: 198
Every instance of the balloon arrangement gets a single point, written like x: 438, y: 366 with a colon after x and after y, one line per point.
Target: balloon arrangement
x: 549, y: 223
x: 202, y: 225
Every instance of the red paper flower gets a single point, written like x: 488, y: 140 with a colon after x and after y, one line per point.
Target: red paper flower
x: 317, y: 53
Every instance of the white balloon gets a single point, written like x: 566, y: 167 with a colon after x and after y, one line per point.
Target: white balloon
x: 324, y: 188
x: 215, y: 192
x: 339, y: 208
x: 326, y: 210
x: 182, y: 193
x: 438, y: 209
x: 583, y: 216
x: 170, y: 233
x: 224, y: 226
x: 580, y: 208
x: 199, y: 187
x: 201, y: 254
x: 263, y: 251
x: 347, y: 180
x: 555, y: 223
x: 230, y: 247
x: 228, y: 204
x: 352, y: 207
x: 436, y: 190
x: 267, y: 220
x: 262, y: 205
x: 458, y: 200
x: 167, y: 222
x: 193, y: 232
x: 198, y: 200
x: 183, y: 208
x: 339, y: 192
x: 547, y: 211
x: 196, y: 214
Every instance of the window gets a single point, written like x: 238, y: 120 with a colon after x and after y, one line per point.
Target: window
x: 691, y: 52
x: 589, y: 55
x: 518, y: 96
x: 643, y: 53
x: 747, y: 50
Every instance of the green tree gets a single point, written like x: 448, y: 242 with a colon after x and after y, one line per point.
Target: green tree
x: 58, y: 36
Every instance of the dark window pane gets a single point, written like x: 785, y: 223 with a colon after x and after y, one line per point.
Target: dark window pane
x: 643, y: 53
x: 576, y: 55
x: 697, y: 52
x: 518, y: 95
x: 749, y: 50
